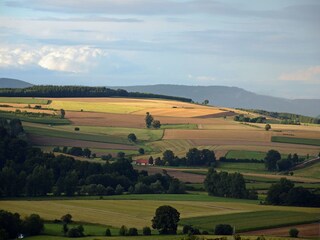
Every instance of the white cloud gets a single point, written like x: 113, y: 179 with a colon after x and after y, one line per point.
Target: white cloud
x: 202, y: 78
x: 66, y: 59
x: 309, y: 74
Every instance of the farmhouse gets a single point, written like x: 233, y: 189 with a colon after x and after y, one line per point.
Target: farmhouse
x: 142, y: 162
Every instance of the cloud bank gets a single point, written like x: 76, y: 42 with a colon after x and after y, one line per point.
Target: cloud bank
x: 75, y: 59
x: 309, y: 74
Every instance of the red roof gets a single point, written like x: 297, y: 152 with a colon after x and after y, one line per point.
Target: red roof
x: 145, y: 161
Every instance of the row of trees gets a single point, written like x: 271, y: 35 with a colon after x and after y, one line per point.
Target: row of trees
x: 29, y: 171
x: 11, y: 225
x: 287, y: 118
x: 242, y: 118
x: 151, y: 122
x: 225, y: 184
x: 75, y: 151
x: 79, y: 91
x: 194, y: 157
x: 285, y: 193
x: 274, y: 162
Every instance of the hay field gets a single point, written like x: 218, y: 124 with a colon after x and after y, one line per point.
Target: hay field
x: 129, y: 212
x: 134, y: 106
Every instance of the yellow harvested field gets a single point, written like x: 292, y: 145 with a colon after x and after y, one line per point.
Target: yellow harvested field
x: 156, y: 107
x: 180, y: 112
x: 117, y: 212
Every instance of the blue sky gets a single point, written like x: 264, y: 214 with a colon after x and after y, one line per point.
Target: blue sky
x: 269, y: 47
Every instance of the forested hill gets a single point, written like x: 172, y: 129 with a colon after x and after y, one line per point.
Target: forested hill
x: 13, y: 83
x: 80, y: 91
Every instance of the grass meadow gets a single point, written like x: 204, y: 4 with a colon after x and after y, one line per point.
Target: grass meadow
x: 24, y: 100
x: 252, y: 220
x: 304, y: 141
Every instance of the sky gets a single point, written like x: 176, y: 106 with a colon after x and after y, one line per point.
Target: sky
x: 270, y: 47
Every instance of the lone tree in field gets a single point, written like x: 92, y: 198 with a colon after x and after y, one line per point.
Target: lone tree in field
x: 62, y: 113
x: 149, y: 120
x: 166, y: 220
x: 267, y: 127
x: 66, y: 218
x: 132, y: 137
x: 206, y: 102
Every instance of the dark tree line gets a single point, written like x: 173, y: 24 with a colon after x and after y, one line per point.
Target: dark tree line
x: 225, y: 184
x: 242, y: 118
x: 274, y: 162
x: 79, y: 91
x: 287, y: 118
x: 11, y: 225
x: 27, y: 171
x: 285, y: 193
x: 194, y: 157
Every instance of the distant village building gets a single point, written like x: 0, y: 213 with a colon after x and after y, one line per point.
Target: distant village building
x: 142, y: 162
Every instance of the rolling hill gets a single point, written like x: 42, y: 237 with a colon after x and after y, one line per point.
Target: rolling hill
x: 13, y: 83
x: 233, y: 97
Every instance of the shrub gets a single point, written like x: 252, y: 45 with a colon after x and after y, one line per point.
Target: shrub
x: 186, y: 229
x: 132, y: 137
x: 141, y: 150
x: 75, y: 232
x: 223, y: 229
x: 146, y: 231
x: 133, y: 232
x: 77, y: 129
x: 108, y: 232
x: 293, y: 232
x: 123, y: 231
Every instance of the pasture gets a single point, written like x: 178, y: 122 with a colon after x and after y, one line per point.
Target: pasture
x: 24, y: 100
x: 237, y: 154
x: 249, y: 221
x: 304, y: 141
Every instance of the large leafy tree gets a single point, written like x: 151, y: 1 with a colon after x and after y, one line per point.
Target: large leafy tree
x: 149, y: 120
x: 166, y: 220
x: 271, y: 160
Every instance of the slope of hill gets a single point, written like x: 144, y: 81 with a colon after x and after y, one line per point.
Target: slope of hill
x: 13, y: 83
x: 234, y: 97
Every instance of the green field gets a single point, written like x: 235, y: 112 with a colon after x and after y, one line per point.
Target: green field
x: 52, y: 132
x: 304, y: 141
x: 242, y: 167
x: 23, y: 100
x: 251, y: 220
x: 122, y: 132
x: 95, y: 134
x: 55, y: 229
x: 312, y: 171
x: 242, y: 154
x: 41, y: 120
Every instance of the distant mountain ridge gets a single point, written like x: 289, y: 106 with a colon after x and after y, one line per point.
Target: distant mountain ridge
x: 13, y: 83
x: 233, y: 97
